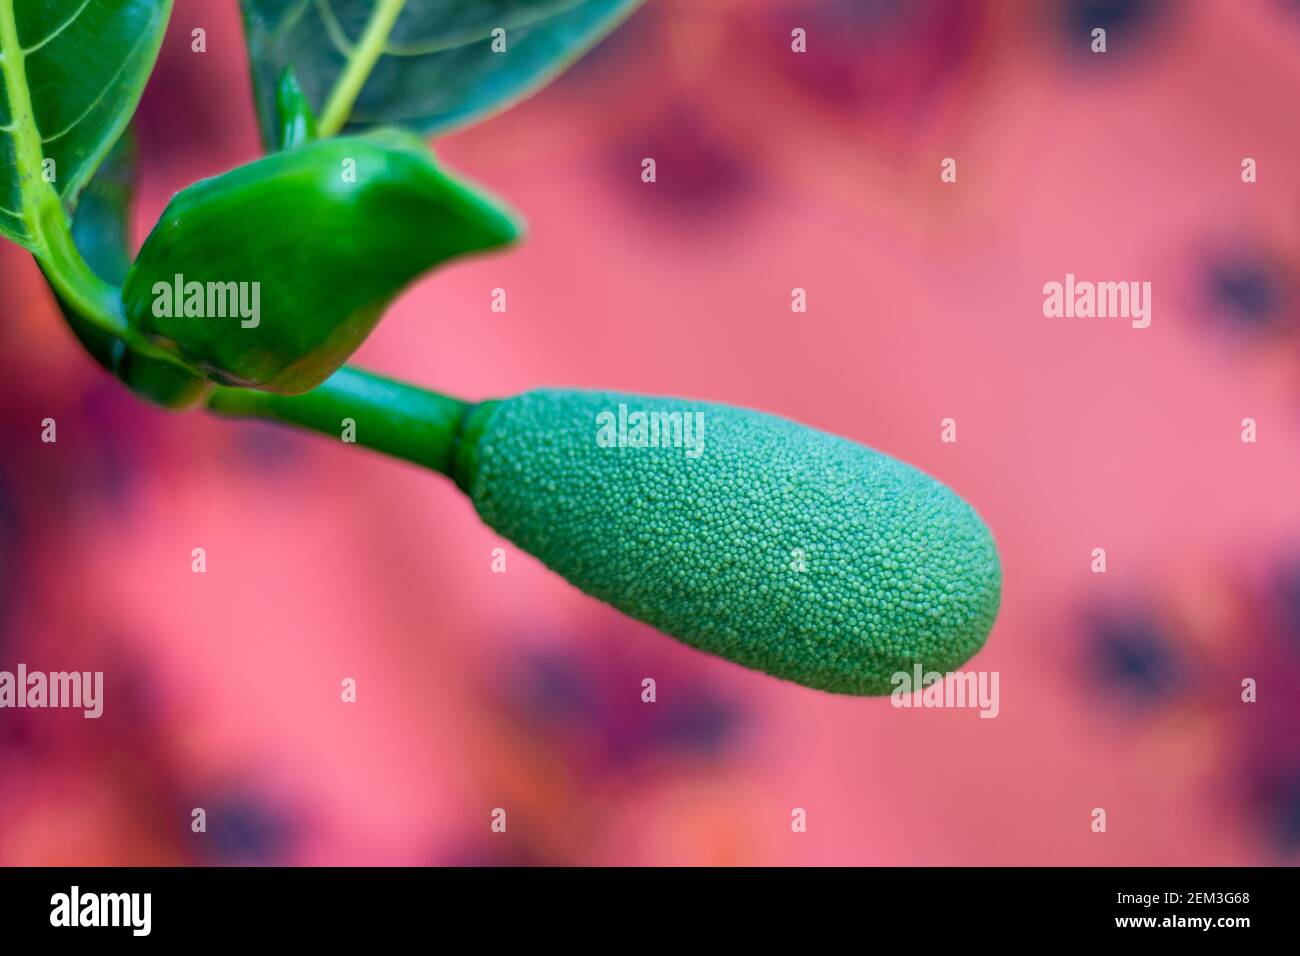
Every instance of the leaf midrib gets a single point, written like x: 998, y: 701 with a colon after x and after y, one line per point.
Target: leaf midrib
x: 37, y: 196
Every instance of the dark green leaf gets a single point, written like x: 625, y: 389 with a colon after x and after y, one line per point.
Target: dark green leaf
x: 71, y: 74
x: 102, y: 225
x: 285, y: 265
x: 438, y: 70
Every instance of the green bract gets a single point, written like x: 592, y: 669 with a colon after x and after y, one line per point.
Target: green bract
x: 271, y: 275
x: 297, y: 122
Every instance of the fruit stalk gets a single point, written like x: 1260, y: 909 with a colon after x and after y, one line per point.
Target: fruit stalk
x: 411, y: 423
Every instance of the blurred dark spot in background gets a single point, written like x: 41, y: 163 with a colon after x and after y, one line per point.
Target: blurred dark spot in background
x: 562, y: 690
x: 1123, y: 21
x: 700, y: 177
x: 1248, y: 293
x: 877, y: 56
x: 243, y: 830
x: 1132, y: 656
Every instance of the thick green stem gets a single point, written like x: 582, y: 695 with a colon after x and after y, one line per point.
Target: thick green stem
x: 397, y: 419
x: 97, y: 301
x: 362, y: 61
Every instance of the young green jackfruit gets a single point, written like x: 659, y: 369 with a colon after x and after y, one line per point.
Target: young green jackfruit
x: 271, y: 275
x: 752, y: 537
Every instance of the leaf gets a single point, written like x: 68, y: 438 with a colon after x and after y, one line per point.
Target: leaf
x: 101, y: 227
x: 101, y: 233
x: 101, y: 230
x: 438, y: 70
x: 271, y: 275
x: 71, y: 75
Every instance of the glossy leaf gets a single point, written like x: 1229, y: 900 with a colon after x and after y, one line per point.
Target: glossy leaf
x: 438, y: 70
x: 271, y: 275
x: 71, y: 74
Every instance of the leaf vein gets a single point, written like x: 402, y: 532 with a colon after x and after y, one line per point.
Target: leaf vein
x: 338, y: 36
x: 59, y: 29
x: 414, y: 48
x: 126, y: 61
x: 288, y: 22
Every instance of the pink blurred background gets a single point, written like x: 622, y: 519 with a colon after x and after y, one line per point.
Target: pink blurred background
x: 479, y: 690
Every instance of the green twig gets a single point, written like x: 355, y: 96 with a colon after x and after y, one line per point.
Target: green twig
x: 389, y: 416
